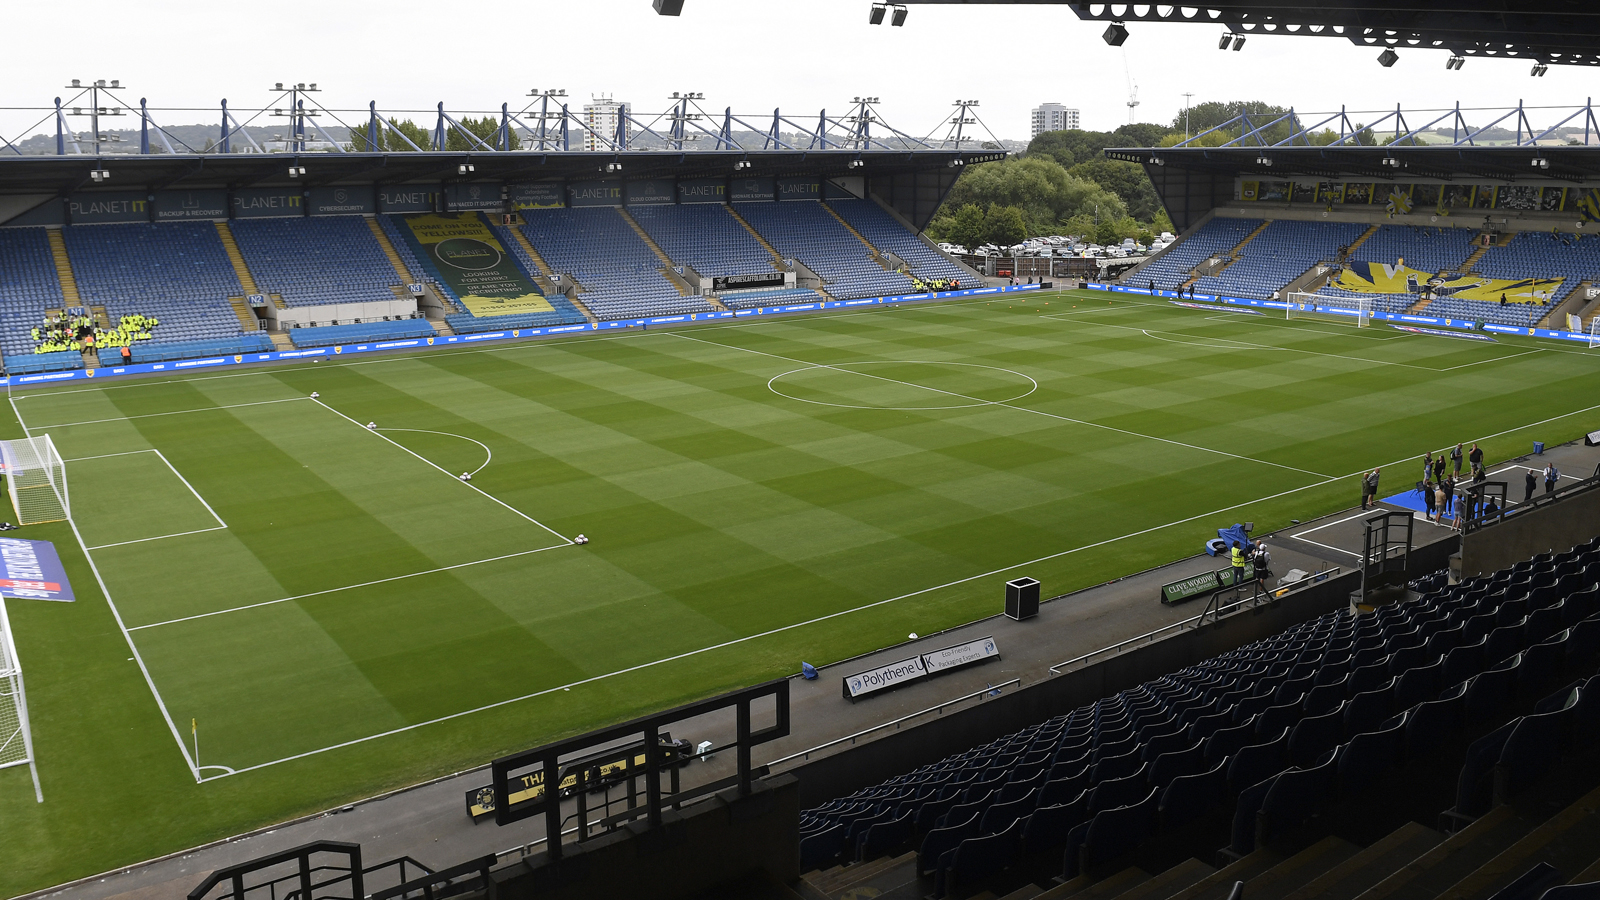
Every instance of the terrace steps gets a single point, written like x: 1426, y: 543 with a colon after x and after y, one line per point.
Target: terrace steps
x: 1568, y: 840
x: 545, y: 276
x: 684, y: 290
x: 245, y: 315
x: 1365, y: 236
x: 58, y: 253
x: 777, y: 258
x: 246, y: 280
x: 1472, y: 259
x: 441, y: 326
x: 280, y: 341
x: 1239, y: 247
x: 390, y: 253
x: 877, y: 257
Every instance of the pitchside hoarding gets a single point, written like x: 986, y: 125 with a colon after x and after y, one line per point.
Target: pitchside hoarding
x: 177, y: 206
x: 977, y: 651
x: 31, y: 570
x: 101, y: 209
x: 864, y: 683
x: 748, y: 282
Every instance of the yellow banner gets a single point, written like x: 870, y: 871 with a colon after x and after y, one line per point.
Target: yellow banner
x: 476, y: 265
x: 1382, y: 278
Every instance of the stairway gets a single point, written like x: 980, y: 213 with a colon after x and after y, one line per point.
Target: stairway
x: 877, y: 256
x: 1363, y: 238
x: 246, y: 315
x: 389, y: 251
x: 874, y: 878
x: 777, y: 258
x: 441, y: 326
x: 58, y: 252
x: 579, y: 305
x: 545, y: 275
x: 666, y: 261
x: 1472, y: 260
x: 102, y: 319
x: 246, y: 280
x: 280, y: 341
x: 1239, y: 248
x: 1417, y: 307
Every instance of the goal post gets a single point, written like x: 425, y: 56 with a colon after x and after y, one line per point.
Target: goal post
x: 36, y: 479
x: 1594, y: 332
x: 16, y: 739
x: 1346, y: 310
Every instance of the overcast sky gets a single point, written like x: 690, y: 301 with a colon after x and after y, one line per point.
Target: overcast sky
x: 748, y: 54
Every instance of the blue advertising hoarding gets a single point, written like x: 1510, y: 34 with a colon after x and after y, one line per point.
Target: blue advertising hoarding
x: 799, y: 189
x: 748, y: 190
x: 654, y: 192
x: 407, y: 199
x: 703, y: 190
x: 31, y: 570
x: 176, y: 206
x: 594, y: 193
x: 341, y: 201
x: 101, y: 208
x: 476, y: 197
x: 268, y: 203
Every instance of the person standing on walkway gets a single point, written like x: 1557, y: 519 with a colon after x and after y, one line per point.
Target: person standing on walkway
x: 1551, y: 476
x: 1236, y: 559
x: 1427, y: 466
x: 1455, y: 459
x: 1428, y: 499
x: 1442, y: 499
x: 1529, y: 482
x: 1476, y: 459
x: 1438, y: 467
x: 1448, y: 489
x: 1369, y: 490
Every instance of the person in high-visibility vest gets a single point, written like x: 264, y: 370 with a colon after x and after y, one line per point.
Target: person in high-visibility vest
x: 1237, y: 559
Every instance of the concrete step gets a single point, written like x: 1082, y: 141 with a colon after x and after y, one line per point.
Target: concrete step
x: 1180, y: 877
x: 839, y: 878
x: 1425, y: 877
x: 1026, y: 892
x: 1085, y: 886
x: 1568, y: 841
x: 389, y: 252
x: 1377, y: 862
x: 1294, y: 872
x: 1218, y: 884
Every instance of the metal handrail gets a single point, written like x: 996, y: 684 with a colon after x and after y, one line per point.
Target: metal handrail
x: 1212, y: 614
x: 1468, y: 526
x: 991, y: 689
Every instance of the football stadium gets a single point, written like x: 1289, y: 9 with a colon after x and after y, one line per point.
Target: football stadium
x: 551, y: 505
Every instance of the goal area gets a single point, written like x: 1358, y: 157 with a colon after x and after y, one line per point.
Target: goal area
x: 1344, y: 310
x: 36, y: 479
x: 16, y: 741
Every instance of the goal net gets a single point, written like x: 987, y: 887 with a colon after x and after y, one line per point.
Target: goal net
x: 1594, y: 332
x: 36, y: 480
x: 1346, y: 310
x: 16, y: 742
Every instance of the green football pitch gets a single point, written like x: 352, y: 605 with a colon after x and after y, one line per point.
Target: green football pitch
x: 341, y: 614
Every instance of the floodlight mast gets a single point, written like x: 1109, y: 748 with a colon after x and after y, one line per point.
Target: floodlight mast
x: 96, y: 110
x: 297, y: 114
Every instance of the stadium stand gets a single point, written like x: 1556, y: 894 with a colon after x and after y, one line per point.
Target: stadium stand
x: 1529, y: 254
x: 28, y: 287
x: 704, y: 237
x: 620, y: 275
x: 885, y: 232
x: 1214, y: 238
x: 1280, y: 729
x: 30, y: 363
x: 755, y: 299
x: 805, y: 231
x: 311, y: 261
x: 428, y: 273
x: 177, y: 272
x: 162, y: 351
x: 1278, y: 255
x: 359, y: 332
x: 1426, y: 249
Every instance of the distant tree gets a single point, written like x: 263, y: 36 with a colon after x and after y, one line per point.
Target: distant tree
x: 485, y: 129
x: 1037, y: 186
x: 389, y: 142
x: 1127, y: 180
x: 1071, y: 147
x: 1140, y: 134
x: 1004, y: 226
x: 968, y: 227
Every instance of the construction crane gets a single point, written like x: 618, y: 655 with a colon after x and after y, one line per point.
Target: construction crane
x: 1133, y: 89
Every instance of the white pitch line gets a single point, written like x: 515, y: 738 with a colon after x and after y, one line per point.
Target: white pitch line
x: 159, y: 537
x: 1006, y: 405
x: 126, y: 636
x: 454, y: 435
x: 350, y: 587
x: 190, y: 487
x: 467, y: 484
x: 176, y: 412
x: 109, y: 455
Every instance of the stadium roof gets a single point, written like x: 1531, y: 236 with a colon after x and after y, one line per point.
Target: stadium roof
x: 1558, y: 32
x: 914, y: 182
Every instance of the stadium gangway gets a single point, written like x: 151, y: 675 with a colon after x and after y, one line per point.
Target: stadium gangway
x: 1214, y: 615
x: 992, y: 690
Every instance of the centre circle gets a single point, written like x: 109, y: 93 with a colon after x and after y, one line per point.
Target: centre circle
x: 903, y: 385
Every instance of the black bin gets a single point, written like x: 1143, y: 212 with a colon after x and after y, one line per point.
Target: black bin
x: 1022, y: 598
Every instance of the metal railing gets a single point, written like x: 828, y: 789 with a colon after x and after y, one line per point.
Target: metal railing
x: 1506, y: 510
x: 1213, y: 614
x: 991, y: 690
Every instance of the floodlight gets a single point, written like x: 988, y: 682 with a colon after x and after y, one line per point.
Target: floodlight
x: 1157, y: 161
x: 1264, y: 161
x: 464, y: 168
x: 1115, y: 34
x: 875, y: 17
x: 1388, y: 57
x: 296, y: 171
x: 1227, y: 39
x: 1238, y: 42
x: 99, y: 175
x: 1539, y: 69
x: 740, y: 165
x: 1454, y: 62
x: 1540, y: 162
x: 899, y: 17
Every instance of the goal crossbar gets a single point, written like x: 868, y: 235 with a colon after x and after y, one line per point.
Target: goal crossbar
x: 1346, y: 310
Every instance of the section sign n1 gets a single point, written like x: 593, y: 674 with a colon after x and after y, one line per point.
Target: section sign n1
x: 863, y: 683
x: 31, y: 570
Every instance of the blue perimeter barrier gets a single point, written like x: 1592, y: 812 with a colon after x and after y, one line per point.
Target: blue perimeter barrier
x: 457, y: 340
x: 1467, y: 324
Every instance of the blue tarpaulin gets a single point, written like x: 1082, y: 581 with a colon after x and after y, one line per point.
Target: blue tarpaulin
x: 1228, y: 536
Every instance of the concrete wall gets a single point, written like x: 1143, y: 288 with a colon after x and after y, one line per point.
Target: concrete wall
x: 705, y: 845
x: 1557, y: 526
x: 897, y: 752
